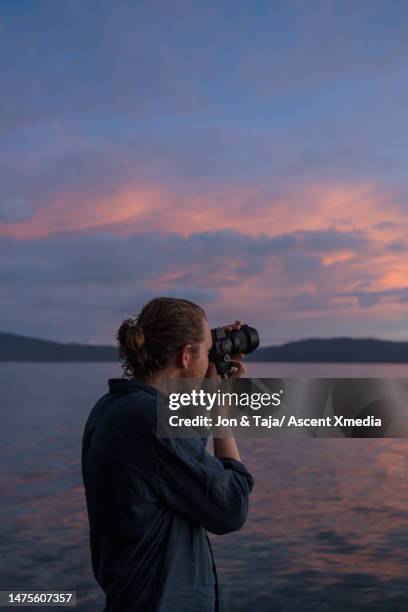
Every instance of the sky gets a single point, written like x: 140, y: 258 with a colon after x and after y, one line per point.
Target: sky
x: 249, y: 156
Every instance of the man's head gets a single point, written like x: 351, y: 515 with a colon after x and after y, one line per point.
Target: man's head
x: 169, y: 337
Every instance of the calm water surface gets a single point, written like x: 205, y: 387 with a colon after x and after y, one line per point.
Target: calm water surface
x: 327, y: 530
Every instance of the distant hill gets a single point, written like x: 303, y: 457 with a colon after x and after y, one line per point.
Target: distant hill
x: 332, y: 350
x: 22, y: 348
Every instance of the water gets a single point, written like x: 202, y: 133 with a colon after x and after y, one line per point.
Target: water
x: 327, y: 529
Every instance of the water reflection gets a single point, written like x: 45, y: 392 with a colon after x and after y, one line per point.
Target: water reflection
x: 324, y: 513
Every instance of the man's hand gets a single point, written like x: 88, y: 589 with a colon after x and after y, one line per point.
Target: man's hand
x: 231, y: 326
x: 212, y: 371
x: 238, y: 370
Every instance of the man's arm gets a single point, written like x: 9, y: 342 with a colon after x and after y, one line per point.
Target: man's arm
x: 226, y: 447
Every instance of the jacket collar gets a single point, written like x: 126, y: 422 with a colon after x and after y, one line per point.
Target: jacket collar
x: 126, y: 385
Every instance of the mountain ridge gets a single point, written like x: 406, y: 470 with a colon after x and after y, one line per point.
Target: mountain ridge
x: 14, y: 347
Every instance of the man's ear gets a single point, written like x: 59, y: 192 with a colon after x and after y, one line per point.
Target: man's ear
x: 185, y: 356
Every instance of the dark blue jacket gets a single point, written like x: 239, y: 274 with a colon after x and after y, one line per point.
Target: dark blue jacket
x: 150, y: 501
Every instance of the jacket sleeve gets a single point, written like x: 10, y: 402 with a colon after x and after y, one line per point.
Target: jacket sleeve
x: 212, y: 491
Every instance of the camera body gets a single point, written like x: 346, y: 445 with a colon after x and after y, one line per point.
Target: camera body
x: 227, y: 343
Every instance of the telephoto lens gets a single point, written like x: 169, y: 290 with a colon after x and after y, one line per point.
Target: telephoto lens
x: 227, y: 343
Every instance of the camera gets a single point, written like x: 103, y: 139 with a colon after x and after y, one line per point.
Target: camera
x: 227, y: 343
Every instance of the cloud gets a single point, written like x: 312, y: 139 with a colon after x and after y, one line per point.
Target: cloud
x: 78, y: 286
x: 334, y: 240
x: 14, y: 208
x: 397, y: 246
x: 372, y: 298
x: 192, y: 207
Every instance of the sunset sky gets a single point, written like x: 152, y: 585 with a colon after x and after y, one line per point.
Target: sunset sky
x: 250, y: 156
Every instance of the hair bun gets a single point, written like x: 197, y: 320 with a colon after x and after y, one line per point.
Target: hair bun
x: 131, y: 335
x: 136, y: 337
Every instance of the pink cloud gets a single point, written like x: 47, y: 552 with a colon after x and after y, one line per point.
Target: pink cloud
x: 311, y: 257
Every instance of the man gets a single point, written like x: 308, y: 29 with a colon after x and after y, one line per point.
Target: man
x: 151, y: 500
